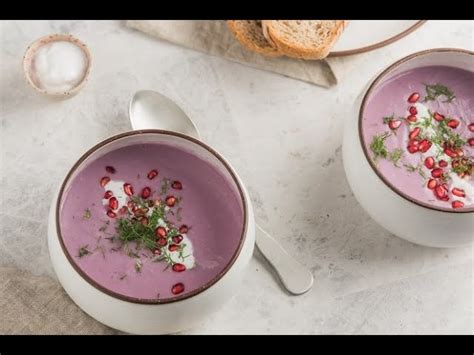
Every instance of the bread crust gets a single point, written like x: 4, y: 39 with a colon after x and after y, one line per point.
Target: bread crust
x: 295, y: 50
x: 265, y: 24
x: 268, y: 51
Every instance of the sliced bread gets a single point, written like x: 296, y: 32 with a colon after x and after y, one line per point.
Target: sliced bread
x: 249, y: 34
x: 304, y: 39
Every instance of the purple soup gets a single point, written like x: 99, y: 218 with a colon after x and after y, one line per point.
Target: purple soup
x: 151, y: 221
x: 418, y: 131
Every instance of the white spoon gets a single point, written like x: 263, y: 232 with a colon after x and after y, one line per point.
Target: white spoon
x: 150, y: 109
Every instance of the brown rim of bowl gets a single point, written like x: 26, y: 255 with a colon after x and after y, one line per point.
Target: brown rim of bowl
x: 144, y: 300
x: 377, y: 80
x: 33, y: 47
x: 380, y: 44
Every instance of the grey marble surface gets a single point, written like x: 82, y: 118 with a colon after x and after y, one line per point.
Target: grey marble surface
x: 283, y: 137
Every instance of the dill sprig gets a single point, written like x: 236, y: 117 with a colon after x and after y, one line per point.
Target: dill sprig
x: 138, y: 265
x: 133, y: 231
x: 395, y: 156
x: 83, y: 251
x: 378, y: 145
x: 87, y: 214
x: 436, y: 90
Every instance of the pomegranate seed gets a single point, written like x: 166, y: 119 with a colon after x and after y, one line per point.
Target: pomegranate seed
x: 123, y: 210
x: 152, y: 174
x: 471, y: 127
x: 177, y: 239
x: 430, y: 162
x: 425, y: 145
x: 413, y: 98
x: 453, y: 123
x: 450, y: 153
x: 131, y: 204
x: 471, y: 141
x: 413, y: 134
x: 111, y: 214
x: 177, y: 289
x: 173, y: 247
x: 179, y: 267
x: 108, y: 194
x: 438, y: 117
x: 413, y: 146
x: 440, y: 192
x: 431, y: 184
x: 178, y: 186
x: 458, y: 192
x: 457, y: 204
x: 113, y: 203
x: 459, y: 152
x: 110, y: 169
x: 455, y: 164
x: 443, y: 163
x: 146, y: 192
x: 170, y: 201
x: 436, y: 173
x: 104, y: 181
x: 412, y: 118
x: 183, y: 229
x: 160, y: 232
x: 128, y: 189
x: 162, y: 241
x: 144, y: 221
x: 413, y: 110
x: 157, y: 251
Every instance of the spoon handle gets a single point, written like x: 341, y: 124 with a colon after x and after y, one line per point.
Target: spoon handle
x: 295, y: 277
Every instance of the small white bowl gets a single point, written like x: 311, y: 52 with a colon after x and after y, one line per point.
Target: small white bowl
x: 151, y: 316
x: 402, y: 216
x: 30, y: 55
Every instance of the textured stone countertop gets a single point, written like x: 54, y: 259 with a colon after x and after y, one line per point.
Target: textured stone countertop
x: 283, y: 137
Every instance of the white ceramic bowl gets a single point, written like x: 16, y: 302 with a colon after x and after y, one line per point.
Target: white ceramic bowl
x: 403, y: 217
x: 168, y: 315
x: 30, y: 55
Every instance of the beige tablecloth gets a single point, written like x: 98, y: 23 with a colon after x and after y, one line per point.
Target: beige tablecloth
x: 214, y: 38
x: 39, y: 305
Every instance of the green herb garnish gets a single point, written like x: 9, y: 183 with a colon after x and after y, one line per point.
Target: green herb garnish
x: 395, y: 156
x: 87, y: 214
x: 104, y: 226
x: 134, y: 231
x: 410, y: 168
x: 101, y: 249
x: 138, y: 265
x: 387, y: 119
x: 436, y: 90
x: 415, y: 168
x: 83, y: 251
x: 378, y: 145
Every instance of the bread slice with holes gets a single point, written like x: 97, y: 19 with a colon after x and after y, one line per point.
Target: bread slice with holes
x: 304, y: 39
x: 249, y: 34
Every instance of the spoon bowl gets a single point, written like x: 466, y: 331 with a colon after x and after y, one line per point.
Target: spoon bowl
x: 149, y: 108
